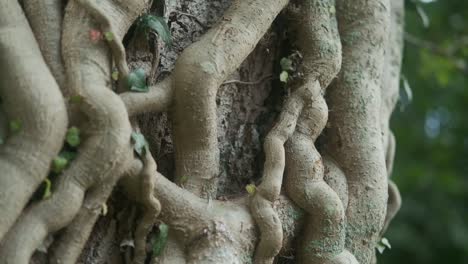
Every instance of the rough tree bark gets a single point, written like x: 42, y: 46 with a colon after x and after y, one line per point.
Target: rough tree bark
x: 250, y: 169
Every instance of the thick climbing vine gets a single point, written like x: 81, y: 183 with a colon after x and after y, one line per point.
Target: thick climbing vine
x: 71, y: 98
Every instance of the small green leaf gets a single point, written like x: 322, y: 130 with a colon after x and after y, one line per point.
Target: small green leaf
x: 59, y: 164
x: 15, y: 126
x: 76, y: 99
x: 140, y: 145
x: 137, y: 81
x: 115, y: 75
x: 382, y: 245
x: 284, y: 76
x: 380, y: 248
x: 47, y: 190
x: 109, y: 36
x: 73, y: 136
x: 158, y: 25
x: 159, y: 241
x: 251, y: 188
x: 386, y: 243
x: 286, y: 64
x: 63, y: 159
x: 332, y: 10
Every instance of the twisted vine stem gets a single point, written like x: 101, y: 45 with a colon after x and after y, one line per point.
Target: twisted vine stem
x: 337, y: 191
x: 353, y: 139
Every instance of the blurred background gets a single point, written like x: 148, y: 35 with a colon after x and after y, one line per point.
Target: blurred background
x: 431, y: 127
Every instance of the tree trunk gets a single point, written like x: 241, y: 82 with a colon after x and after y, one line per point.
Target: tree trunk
x: 250, y: 97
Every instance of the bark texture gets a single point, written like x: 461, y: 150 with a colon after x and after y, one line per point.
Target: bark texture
x: 241, y: 167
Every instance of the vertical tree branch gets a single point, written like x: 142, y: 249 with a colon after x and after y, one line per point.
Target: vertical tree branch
x: 354, y: 137
x: 271, y: 232
x: 45, y: 18
x: 391, y: 74
x: 26, y: 85
x: 152, y: 208
x: 323, y: 239
x: 106, y: 152
x: 199, y: 71
x: 68, y: 246
x: 390, y: 90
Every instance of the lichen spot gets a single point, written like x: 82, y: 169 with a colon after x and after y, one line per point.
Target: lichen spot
x: 208, y: 67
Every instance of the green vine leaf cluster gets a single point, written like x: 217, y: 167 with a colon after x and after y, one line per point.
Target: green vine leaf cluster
x: 63, y: 159
x: 286, y: 67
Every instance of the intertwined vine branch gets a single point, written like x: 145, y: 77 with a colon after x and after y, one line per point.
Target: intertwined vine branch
x: 351, y: 53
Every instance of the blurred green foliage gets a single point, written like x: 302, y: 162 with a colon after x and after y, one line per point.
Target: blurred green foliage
x: 431, y: 167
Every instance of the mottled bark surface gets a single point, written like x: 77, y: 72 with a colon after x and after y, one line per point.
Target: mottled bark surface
x: 234, y: 170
